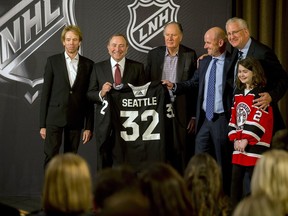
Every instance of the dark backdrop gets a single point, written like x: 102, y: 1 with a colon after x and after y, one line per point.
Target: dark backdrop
x: 22, y: 61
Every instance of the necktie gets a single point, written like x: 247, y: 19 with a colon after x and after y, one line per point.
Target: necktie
x: 240, y: 55
x: 211, y: 92
x: 117, y: 76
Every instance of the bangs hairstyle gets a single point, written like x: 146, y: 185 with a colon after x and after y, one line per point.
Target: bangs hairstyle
x: 258, y: 78
x: 75, y: 29
x: 67, y: 185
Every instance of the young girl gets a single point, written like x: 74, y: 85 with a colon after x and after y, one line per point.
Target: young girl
x: 250, y: 128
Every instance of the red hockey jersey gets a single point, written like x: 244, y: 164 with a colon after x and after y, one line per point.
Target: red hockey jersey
x: 249, y: 122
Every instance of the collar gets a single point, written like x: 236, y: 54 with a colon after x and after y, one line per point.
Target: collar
x: 168, y: 54
x: 68, y: 57
x: 246, y: 48
x: 121, y: 62
x: 220, y: 57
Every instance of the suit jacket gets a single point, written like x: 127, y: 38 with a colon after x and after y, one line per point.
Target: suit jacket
x: 184, y: 106
x: 102, y: 72
x: 63, y: 105
x: 199, y: 80
x: 277, y: 77
x: 133, y: 74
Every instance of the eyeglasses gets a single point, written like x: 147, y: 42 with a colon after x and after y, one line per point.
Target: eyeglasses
x: 234, y: 32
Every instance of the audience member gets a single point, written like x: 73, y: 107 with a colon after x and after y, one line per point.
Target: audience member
x: 166, y: 190
x: 101, y: 82
x: 204, y: 182
x: 113, y: 180
x: 250, y: 127
x: 126, y: 203
x: 8, y: 210
x: 259, y: 205
x: 67, y: 187
x: 64, y: 108
x: 277, y: 78
x: 176, y: 62
x: 280, y: 140
x: 270, y: 177
x: 213, y: 108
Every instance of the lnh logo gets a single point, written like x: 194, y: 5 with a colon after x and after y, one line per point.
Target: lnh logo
x: 147, y: 19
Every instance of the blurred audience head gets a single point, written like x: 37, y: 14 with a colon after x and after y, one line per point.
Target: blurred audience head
x: 166, y: 190
x: 280, y: 140
x: 270, y: 177
x: 204, y: 182
x: 112, y: 180
x: 67, y: 185
x: 258, y: 205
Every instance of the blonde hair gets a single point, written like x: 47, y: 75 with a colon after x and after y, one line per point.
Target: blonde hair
x: 270, y: 177
x: 67, y: 185
x: 75, y: 29
x: 258, y: 205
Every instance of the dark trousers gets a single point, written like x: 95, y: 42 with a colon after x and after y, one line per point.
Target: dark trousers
x: 53, y: 141
x: 239, y: 175
x: 212, y: 138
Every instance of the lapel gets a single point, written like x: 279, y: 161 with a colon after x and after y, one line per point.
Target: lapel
x: 252, y: 49
x: 161, y: 58
x: 65, y: 69
x: 180, y: 65
x: 227, y: 65
x: 107, y: 71
x: 126, y: 70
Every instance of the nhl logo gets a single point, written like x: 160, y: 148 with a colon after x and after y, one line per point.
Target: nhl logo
x: 147, y: 19
x: 24, y: 28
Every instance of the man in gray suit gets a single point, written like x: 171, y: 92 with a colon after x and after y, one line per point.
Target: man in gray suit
x: 176, y: 62
x: 102, y: 79
x: 64, y: 108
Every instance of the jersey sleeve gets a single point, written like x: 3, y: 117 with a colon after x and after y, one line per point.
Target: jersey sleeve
x: 258, y: 123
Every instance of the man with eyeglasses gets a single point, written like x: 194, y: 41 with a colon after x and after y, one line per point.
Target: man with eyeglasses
x: 277, y: 78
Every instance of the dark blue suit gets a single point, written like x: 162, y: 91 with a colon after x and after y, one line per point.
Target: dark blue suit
x: 212, y: 136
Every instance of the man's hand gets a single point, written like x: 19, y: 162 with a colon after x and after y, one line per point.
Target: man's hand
x: 169, y: 84
x: 200, y: 58
x: 191, y: 126
x: 264, y: 100
x: 105, y: 88
x: 43, y: 133
x: 87, y: 135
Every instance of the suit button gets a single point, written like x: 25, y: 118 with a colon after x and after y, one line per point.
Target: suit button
x: 70, y: 92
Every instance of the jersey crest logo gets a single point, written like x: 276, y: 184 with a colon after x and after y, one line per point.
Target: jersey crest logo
x: 25, y: 28
x: 147, y: 20
x: 243, y: 111
x: 140, y: 91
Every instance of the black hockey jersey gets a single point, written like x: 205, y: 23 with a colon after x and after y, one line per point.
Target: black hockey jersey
x: 141, y: 119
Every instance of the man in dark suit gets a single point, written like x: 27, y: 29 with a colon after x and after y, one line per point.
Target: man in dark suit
x: 64, y: 108
x: 277, y: 78
x: 211, y: 133
x: 175, y: 62
x: 102, y: 79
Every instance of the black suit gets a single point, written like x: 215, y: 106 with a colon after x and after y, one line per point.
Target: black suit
x: 183, y: 105
x: 216, y: 131
x: 102, y: 73
x: 64, y: 107
x: 277, y: 78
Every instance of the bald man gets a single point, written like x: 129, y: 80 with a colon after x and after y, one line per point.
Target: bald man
x: 211, y: 134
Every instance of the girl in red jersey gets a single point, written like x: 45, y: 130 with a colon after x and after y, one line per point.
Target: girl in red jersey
x: 250, y: 128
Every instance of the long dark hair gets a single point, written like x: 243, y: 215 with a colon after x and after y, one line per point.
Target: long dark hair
x: 252, y: 64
